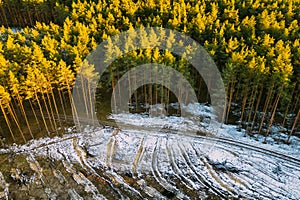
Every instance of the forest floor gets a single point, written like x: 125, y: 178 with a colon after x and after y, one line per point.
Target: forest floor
x: 153, y: 157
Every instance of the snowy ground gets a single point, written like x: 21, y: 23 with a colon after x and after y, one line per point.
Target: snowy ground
x: 201, y: 116
x: 155, y: 158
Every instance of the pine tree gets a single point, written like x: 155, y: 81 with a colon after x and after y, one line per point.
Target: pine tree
x: 4, y: 102
x: 15, y: 90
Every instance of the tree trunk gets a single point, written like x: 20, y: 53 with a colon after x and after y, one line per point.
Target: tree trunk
x: 265, y: 108
x: 52, y: 113
x: 293, y: 127
x: 55, y: 107
x: 296, y: 102
x: 129, y: 87
x: 48, y: 113
x: 273, y: 114
x: 42, y: 113
x: 113, y: 87
x: 230, y: 98
x: 7, y: 122
x: 25, y: 116
x: 74, y: 111
x: 256, y: 109
x: 35, y: 116
x: 251, y: 104
x: 288, y: 106
x: 62, y: 104
x: 16, y: 121
x: 244, y: 101
x: 84, y: 95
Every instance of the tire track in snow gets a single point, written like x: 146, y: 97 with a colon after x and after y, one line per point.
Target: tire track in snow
x: 158, y: 176
x: 183, y: 177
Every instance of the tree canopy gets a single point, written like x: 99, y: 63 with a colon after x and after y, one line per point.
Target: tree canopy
x: 254, y: 43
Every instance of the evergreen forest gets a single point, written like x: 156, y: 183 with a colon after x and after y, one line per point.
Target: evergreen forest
x: 254, y: 43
